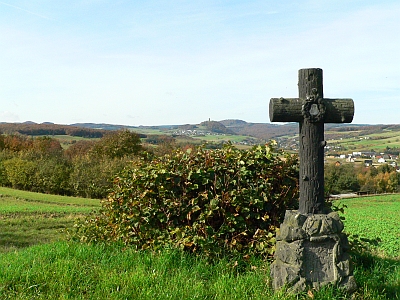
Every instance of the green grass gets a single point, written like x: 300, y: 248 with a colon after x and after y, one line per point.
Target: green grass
x: 70, y: 138
x: 10, y: 204
x: 76, y: 271
x: 46, y: 198
x: 66, y: 270
x: 67, y: 140
x: 374, y: 228
x: 150, y: 131
x: 213, y: 138
x: 28, y: 218
x: 37, y: 262
x: 375, y: 219
x: 219, y: 138
x: 376, y: 141
x: 19, y: 231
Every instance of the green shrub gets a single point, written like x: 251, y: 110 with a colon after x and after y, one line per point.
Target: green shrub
x: 4, y: 156
x: 19, y: 172
x: 52, y: 175
x: 341, y: 179
x: 215, y: 202
x: 32, y: 171
x: 92, y: 177
x: 118, y: 144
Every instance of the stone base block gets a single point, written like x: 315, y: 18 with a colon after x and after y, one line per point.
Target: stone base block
x: 311, y: 251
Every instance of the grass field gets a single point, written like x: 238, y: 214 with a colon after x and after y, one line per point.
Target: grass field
x: 221, y: 138
x: 376, y: 141
x: 37, y: 262
x: 28, y: 218
x: 375, y: 219
x: 46, y: 198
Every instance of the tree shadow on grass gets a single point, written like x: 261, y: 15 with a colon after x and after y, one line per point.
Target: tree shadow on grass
x: 375, y: 273
x: 14, y: 241
x: 22, y: 231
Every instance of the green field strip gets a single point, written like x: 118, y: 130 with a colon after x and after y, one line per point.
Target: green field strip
x: 77, y: 201
x: 13, y: 205
x: 375, y: 218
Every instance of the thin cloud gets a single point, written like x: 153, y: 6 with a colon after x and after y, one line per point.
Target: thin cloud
x: 27, y: 11
x: 8, y: 116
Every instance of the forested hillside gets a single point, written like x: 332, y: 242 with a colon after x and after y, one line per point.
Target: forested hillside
x: 86, y: 168
x: 346, y: 137
x: 49, y: 129
x: 265, y: 131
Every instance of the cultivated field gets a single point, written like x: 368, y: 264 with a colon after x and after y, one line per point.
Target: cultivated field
x: 28, y: 218
x: 375, y: 219
x: 364, y: 141
x: 37, y: 261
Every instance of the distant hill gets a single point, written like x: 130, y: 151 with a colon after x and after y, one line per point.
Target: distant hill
x: 100, y: 126
x: 264, y: 131
x: 50, y: 129
x: 360, y: 137
x: 233, y: 123
x: 216, y: 127
x: 208, y: 126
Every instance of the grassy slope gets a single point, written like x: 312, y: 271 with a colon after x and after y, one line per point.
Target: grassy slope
x: 95, y: 272
x: 28, y: 218
x: 366, y: 141
x: 62, y: 270
x: 31, y: 196
x: 375, y: 219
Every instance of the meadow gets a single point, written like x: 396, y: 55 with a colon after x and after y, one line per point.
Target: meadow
x: 37, y: 261
x: 375, y: 220
x: 28, y: 218
x: 366, y: 142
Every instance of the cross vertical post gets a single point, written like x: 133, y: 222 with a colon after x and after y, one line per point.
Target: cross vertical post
x: 311, y: 143
x: 311, y: 110
x: 311, y: 250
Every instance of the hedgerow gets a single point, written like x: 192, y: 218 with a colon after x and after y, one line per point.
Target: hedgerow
x: 213, y: 202
x: 86, y: 168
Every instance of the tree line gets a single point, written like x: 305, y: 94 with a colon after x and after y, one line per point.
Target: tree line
x: 50, y: 129
x: 34, y: 129
x: 85, y: 169
x: 347, y: 178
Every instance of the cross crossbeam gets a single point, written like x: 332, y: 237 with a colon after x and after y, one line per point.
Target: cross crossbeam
x: 311, y: 110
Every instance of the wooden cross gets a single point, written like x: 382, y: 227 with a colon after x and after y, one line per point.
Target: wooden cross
x: 311, y: 110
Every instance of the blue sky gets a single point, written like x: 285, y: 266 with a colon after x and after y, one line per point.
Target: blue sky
x: 177, y: 62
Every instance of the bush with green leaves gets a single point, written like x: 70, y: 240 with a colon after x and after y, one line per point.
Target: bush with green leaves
x: 214, y: 202
x: 20, y: 171
x: 118, y: 144
x: 92, y: 176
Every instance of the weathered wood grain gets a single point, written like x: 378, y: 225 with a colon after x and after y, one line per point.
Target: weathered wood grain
x: 311, y: 111
x: 289, y: 110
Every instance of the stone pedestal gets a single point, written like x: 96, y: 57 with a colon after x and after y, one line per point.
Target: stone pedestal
x: 311, y: 251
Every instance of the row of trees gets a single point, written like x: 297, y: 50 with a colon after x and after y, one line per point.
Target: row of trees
x: 350, y: 178
x: 85, y: 169
x: 34, y: 129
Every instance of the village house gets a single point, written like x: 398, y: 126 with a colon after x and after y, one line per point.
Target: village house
x: 368, y: 162
x: 351, y: 158
x: 381, y: 160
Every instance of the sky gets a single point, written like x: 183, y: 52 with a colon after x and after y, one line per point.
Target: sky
x: 161, y: 62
